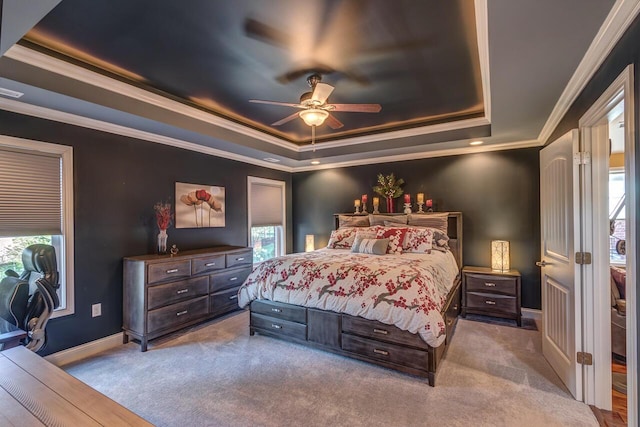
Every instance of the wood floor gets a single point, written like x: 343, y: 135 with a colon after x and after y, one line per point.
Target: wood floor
x: 617, y: 417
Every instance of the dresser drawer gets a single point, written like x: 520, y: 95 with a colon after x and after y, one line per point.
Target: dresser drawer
x: 169, y: 270
x: 240, y: 258
x: 380, y: 331
x: 386, y: 352
x: 210, y: 263
x: 279, y: 326
x: 222, y: 302
x: 487, y: 283
x: 294, y: 313
x: 491, y: 302
x: 170, y: 293
x: 177, y: 314
x: 229, y: 279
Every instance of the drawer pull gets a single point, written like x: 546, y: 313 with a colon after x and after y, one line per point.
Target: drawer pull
x: 380, y: 331
x: 232, y: 279
x: 180, y: 313
x: 382, y: 352
x: 173, y: 270
x: 233, y: 297
x: 182, y: 291
x: 276, y: 310
x: 455, y: 307
x: 273, y: 325
x: 240, y: 259
x: 210, y: 264
x: 490, y: 302
x: 489, y: 284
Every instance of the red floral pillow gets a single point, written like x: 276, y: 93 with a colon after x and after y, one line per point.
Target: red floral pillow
x: 395, y: 236
x: 418, y: 240
x: 343, y: 238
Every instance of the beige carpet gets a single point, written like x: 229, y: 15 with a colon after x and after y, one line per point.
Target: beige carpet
x: 217, y: 375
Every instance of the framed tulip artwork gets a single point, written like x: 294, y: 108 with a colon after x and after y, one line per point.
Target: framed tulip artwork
x: 199, y: 206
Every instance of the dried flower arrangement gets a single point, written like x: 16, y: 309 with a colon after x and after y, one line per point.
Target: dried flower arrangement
x: 389, y: 188
x: 164, y: 217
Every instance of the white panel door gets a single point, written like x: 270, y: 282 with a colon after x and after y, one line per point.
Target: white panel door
x: 559, y: 202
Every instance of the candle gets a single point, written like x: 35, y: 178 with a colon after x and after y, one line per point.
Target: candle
x: 420, y: 198
x: 376, y: 202
x: 429, y: 203
x: 407, y: 198
x: 364, y: 199
x: 356, y: 203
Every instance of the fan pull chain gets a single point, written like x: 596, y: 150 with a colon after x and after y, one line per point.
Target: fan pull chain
x: 313, y: 137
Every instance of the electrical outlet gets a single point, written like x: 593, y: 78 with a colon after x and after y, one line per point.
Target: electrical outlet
x: 96, y: 310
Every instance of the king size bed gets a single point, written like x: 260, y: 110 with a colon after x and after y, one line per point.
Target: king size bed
x: 386, y: 291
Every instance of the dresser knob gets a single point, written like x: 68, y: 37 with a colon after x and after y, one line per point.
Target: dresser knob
x: 491, y: 285
x: 382, y: 352
x: 180, y: 313
x: 173, y: 270
x: 276, y: 310
x: 233, y: 297
x: 273, y: 325
x: 210, y: 264
x: 490, y: 302
x: 380, y: 331
x: 182, y: 291
x: 240, y: 259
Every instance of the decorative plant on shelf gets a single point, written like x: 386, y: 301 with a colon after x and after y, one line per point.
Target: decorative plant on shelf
x: 389, y: 188
x: 164, y: 217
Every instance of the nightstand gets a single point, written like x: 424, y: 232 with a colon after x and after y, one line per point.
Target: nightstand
x: 491, y: 293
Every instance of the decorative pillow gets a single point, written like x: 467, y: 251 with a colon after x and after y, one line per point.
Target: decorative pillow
x: 367, y: 233
x: 370, y: 246
x: 353, y: 221
x: 395, y: 236
x: 418, y: 240
x: 439, y: 221
x: 342, y: 238
x: 440, y: 241
x: 380, y: 219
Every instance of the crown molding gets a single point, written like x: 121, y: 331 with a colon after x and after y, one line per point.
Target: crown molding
x: 422, y: 155
x: 482, y: 32
x: 617, y: 22
x: 73, y: 119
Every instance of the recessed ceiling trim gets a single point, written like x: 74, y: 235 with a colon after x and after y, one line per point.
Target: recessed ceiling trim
x: 619, y: 19
x: 73, y: 119
x: 482, y: 26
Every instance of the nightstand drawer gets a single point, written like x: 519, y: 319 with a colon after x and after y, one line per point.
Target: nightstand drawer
x: 488, y: 283
x: 278, y: 310
x: 491, y: 302
x: 278, y: 326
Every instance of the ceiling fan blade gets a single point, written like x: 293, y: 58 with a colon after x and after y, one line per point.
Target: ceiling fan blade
x: 356, y: 108
x: 322, y: 92
x: 333, y: 122
x: 266, y: 33
x: 285, y: 120
x: 284, y: 104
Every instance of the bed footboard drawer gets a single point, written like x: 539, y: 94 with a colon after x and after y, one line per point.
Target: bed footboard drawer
x: 380, y: 331
x: 386, y: 352
x: 278, y: 326
x: 293, y: 313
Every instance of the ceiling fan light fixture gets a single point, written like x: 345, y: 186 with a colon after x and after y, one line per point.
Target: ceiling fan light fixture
x: 313, y: 116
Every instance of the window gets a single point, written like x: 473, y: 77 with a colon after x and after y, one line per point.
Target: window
x: 616, y: 216
x: 266, y: 207
x: 36, y: 206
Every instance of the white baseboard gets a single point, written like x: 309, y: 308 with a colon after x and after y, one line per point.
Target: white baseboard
x: 74, y: 354
x: 531, y: 313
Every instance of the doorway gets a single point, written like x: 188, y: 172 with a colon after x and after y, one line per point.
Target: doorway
x: 608, y: 233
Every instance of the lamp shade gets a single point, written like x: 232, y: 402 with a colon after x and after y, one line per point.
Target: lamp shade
x: 309, y: 243
x: 313, y: 116
x: 500, y: 255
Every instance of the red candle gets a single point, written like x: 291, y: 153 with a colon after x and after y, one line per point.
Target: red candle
x: 429, y: 203
x: 364, y: 199
x: 407, y: 198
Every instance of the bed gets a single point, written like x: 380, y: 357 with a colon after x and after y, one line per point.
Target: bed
x: 398, y: 310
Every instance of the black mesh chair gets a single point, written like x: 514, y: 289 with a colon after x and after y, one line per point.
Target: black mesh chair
x: 28, y: 300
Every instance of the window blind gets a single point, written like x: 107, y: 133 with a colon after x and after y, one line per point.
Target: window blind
x: 266, y: 204
x: 30, y: 193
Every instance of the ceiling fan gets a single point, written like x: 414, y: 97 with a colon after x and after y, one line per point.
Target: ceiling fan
x: 314, y: 106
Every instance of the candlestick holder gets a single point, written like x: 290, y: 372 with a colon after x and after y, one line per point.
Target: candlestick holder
x: 375, y: 210
x: 430, y: 209
x: 364, y: 208
x: 357, y: 211
x: 407, y: 208
x: 420, y: 208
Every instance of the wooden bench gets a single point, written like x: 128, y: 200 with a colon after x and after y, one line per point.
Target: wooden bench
x: 33, y: 392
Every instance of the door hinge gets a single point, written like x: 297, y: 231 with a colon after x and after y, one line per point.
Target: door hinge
x: 582, y: 158
x: 583, y: 258
x: 584, y: 358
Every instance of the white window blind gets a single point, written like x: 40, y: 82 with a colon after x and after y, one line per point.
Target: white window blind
x: 267, y: 202
x: 30, y: 193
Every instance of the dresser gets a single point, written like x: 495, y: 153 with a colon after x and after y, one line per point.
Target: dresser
x: 491, y: 293
x: 164, y: 293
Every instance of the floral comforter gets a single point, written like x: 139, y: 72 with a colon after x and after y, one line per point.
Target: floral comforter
x: 407, y: 290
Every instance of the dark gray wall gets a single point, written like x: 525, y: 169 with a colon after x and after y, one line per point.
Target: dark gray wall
x: 497, y: 193
x: 117, y: 180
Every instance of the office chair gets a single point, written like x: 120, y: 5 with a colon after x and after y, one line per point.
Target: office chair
x: 28, y: 300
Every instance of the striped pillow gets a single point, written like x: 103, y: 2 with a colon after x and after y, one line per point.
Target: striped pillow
x: 370, y: 246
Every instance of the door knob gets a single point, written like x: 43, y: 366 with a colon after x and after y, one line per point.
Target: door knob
x: 542, y: 263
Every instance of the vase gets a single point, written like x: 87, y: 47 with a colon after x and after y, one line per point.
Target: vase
x: 390, y: 204
x: 162, y: 242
